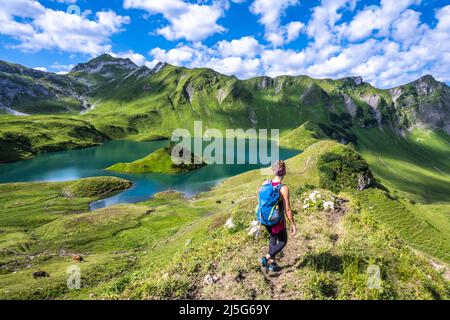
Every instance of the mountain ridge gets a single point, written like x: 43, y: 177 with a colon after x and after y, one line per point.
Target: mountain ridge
x: 107, y: 57
x: 122, y: 100
x: 96, y: 66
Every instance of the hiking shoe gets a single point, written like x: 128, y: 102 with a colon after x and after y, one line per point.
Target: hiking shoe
x: 273, y: 267
x: 263, y: 262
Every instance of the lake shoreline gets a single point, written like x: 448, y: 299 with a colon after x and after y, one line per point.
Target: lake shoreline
x: 71, y: 165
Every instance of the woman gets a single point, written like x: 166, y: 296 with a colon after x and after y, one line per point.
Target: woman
x: 278, y: 233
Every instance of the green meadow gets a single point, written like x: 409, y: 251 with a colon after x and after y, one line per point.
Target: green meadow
x: 164, y: 248
x: 417, y: 166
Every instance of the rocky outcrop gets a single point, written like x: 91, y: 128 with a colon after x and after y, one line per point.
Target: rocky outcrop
x: 424, y: 103
x: 280, y: 85
x: 189, y: 91
x: 426, y: 85
x: 372, y: 100
x: 358, y: 80
x: 350, y: 105
x: 159, y: 66
x: 265, y: 83
x: 354, y: 81
x: 221, y: 95
x: 24, y: 90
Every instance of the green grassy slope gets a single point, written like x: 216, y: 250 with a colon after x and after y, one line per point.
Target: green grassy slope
x: 418, y: 165
x: 27, y: 209
x: 41, y: 230
x: 163, y: 248
x: 175, y: 97
x: 412, y: 222
x: 159, y: 161
x: 28, y: 205
x: 24, y: 137
x: 303, y: 136
x: 414, y: 168
x: 317, y: 266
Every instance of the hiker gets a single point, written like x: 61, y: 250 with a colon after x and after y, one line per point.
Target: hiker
x: 273, y: 205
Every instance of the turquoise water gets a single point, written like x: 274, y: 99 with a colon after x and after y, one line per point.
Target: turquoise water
x: 90, y: 162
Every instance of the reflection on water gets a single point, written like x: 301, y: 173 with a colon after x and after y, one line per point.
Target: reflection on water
x: 90, y: 162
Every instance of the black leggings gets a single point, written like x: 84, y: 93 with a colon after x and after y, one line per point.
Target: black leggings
x: 277, y: 241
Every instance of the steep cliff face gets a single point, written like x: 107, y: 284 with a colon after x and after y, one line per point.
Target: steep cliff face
x: 424, y: 103
x: 28, y: 91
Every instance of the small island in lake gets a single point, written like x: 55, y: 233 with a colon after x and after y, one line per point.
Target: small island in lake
x: 160, y: 161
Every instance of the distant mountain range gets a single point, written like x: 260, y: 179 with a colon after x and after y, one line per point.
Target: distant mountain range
x: 123, y: 99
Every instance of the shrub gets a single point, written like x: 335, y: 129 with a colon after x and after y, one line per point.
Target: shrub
x: 344, y: 169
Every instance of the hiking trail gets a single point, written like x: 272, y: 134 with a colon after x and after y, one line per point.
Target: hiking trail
x: 300, y: 247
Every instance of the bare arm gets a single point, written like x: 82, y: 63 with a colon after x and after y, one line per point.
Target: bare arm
x: 287, y: 206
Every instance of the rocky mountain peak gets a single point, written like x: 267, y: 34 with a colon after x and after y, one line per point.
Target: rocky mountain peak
x: 358, y: 80
x: 159, y: 66
x: 105, y: 63
x: 426, y: 85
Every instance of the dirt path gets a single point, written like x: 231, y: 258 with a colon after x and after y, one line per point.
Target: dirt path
x: 297, y: 249
x: 240, y: 277
x: 289, y: 260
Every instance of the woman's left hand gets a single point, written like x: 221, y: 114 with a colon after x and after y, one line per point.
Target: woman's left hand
x: 294, y: 230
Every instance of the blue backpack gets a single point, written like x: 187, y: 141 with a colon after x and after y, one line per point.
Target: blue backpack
x: 268, y: 212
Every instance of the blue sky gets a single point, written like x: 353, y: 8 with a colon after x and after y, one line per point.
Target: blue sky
x: 388, y: 42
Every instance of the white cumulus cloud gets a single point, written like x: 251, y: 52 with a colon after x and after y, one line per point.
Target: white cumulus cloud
x: 396, y: 50
x: 388, y: 44
x: 36, y: 27
x: 190, y: 21
x: 376, y: 19
x: 270, y: 13
x: 243, y: 47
